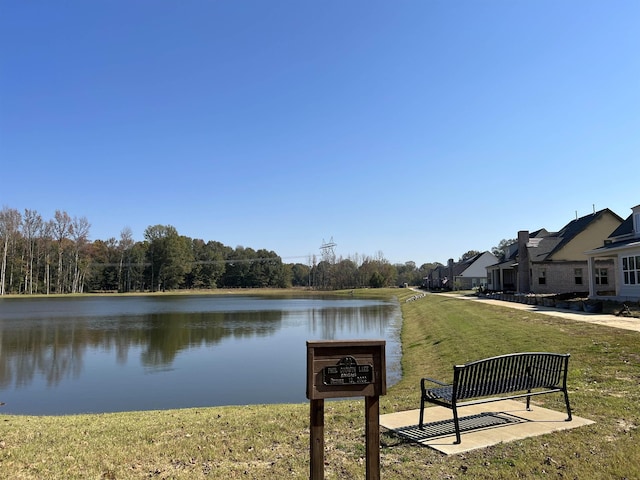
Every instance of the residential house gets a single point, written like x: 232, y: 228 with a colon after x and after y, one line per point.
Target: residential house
x: 464, y: 275
x: 556, y: 262
x: 622, y: 250
x: 503, y: 276
x: 437, y: 278
x: 472, y: 272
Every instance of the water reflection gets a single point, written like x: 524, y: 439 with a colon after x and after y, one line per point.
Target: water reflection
x: 46, y: 359
x: 334, y: 323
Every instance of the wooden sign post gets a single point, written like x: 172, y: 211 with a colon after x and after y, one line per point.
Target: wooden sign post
x: 346, y: 368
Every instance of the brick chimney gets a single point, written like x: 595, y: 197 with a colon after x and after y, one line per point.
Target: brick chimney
x: 450, y: 273
x: 523, y: 285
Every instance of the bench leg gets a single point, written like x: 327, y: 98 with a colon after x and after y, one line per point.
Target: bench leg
x: 421, y: 424
x: 566, y: 401
x: 456, y: 423
x: 529, y: 402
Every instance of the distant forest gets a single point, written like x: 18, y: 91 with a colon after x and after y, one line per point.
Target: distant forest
x: 55, y: 256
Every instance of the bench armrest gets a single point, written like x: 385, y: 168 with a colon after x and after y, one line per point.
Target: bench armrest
x: 432, y: 380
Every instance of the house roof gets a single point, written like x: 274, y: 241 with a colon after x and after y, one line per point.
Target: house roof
x: 460, y: 267
x: 512, y: 250
x: 539, y: 251
x: 440, y: 269
x: 539, y: 233
x: 552, y: 243
x: 621, y: 237
x: 625, y: 228
x: 473, y: 265
x: 622, y: 244
x: 506, y: 264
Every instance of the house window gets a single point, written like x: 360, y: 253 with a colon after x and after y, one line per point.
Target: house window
x: 631, y: 270
x: 602, y: 276
x: 542, y: 278
x: 577, y: 273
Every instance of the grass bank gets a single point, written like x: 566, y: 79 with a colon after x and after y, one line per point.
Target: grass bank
x: 271, y: 441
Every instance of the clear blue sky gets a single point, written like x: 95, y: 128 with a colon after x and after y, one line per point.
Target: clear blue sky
x: 418, y: 129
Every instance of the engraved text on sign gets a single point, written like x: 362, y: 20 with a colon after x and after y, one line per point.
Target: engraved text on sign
x: 347, y: 372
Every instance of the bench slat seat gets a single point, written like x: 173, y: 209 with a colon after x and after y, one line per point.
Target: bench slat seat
x: 509, y: 376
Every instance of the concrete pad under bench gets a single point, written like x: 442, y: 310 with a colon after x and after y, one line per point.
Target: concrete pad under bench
x: 482, y: 425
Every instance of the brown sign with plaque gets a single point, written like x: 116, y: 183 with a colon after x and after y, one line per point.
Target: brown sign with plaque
x: 345, y: 368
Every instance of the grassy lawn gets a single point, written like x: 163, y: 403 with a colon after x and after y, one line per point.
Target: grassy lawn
x: 272, y: 441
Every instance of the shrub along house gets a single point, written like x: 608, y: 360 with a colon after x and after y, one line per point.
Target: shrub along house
x: 622, y: 251
x: 555, y: 262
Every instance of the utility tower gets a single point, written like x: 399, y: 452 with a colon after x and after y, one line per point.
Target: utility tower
x: 328, y: 254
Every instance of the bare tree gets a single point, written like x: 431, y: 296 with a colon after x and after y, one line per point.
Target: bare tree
x: 312, y: 268
x: 45, y: 242
x: 61, y: 230
x: 79, y: 232
x: 31, y: 227
x: 124, y: 248
x: 10, y: 220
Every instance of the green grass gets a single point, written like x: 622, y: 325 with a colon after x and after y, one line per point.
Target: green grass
x: 272, y: 441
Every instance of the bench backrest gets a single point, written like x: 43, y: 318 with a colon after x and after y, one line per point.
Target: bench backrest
x: 510, y: 373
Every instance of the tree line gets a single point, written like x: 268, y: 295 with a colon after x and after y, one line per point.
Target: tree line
x: 56, y: 256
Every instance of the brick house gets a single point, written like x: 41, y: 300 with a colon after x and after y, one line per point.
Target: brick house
x: 622, y: 250
x: 556, y: 262
x: 503, y: 276
x: 437, y: 278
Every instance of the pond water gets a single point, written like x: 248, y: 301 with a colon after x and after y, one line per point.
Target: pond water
x: 109, y: 354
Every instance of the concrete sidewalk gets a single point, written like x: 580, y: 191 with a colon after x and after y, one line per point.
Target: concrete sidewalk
x: 481, y: 425
x: 626, y: 323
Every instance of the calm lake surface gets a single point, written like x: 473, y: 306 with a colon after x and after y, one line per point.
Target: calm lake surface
x: 109, y: 354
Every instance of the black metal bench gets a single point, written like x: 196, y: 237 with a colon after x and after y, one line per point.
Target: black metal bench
x: 515, y: 375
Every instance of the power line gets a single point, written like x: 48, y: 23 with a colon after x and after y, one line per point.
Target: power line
x: 200, y: 262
